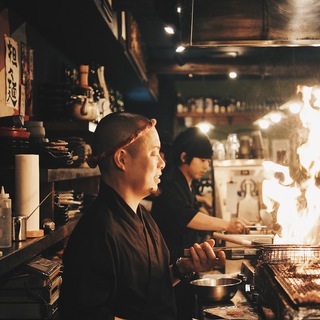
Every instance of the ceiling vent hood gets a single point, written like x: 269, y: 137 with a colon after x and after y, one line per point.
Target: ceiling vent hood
x: 207, y: 23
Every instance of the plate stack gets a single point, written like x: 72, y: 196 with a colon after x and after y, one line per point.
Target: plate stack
x: 37, y: 131
x: 68, y: 203
x: 77, y: 147
x: 55, y: 154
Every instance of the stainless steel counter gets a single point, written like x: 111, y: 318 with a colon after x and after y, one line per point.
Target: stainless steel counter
x: 237, y: 308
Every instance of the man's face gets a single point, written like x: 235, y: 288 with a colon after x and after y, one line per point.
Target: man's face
x: 198, y: 167
x: 146, y: 164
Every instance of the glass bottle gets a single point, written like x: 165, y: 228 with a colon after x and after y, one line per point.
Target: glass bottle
x: 5, y: 220
x: 232, y: 146
x: 180, y: 103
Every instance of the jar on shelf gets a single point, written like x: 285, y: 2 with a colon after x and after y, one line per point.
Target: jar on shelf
x: 199, y: 105
x: 208, y: 105
x: 232, y: 146
x: 245, y: 147
x: 219, y: 151
x: 180, y: 103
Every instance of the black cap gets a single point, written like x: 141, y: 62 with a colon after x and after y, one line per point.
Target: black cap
x: 194, y: 143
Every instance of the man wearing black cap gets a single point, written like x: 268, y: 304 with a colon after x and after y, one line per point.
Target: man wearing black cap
x: 176, y: 209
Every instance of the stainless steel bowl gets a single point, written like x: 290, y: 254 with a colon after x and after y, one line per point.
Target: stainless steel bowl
x: 215, y: 290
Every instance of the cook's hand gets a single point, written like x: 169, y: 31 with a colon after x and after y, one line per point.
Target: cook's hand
x: 202, y: 258
x: 237, y: 225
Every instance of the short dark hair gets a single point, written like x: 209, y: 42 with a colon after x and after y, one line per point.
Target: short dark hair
x: 113, y: 130
x: 194, y: 143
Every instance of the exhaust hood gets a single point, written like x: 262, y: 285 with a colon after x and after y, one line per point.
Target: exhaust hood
x: 208, y: 23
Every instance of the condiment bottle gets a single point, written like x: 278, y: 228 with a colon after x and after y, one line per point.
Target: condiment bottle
x: 5, y: 220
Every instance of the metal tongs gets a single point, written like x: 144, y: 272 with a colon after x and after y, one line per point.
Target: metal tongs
x: 43, y: 200
x: 234, y: 253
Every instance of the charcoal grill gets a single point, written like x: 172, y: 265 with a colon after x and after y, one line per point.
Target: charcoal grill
x: 286, y: 280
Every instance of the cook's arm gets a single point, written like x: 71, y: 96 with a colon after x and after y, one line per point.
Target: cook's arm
x: 202, y: 221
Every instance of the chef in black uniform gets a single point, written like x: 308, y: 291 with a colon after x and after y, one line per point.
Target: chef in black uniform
x: 177, y: 211
x: 116, y: 264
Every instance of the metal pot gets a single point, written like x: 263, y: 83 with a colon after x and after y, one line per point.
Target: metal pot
x: 84, y: 109
x: 215, y: 290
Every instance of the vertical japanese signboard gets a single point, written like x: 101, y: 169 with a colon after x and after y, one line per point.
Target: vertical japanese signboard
x: 12, y: 73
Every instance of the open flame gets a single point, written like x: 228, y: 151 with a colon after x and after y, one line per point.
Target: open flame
x: 292, y: 195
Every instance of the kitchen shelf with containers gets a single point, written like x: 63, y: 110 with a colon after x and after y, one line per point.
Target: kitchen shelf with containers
x: 222, y: 119
x: 48, y: 245
x: 22, y: 251
x: 67, y: 183
x: 222, y: 112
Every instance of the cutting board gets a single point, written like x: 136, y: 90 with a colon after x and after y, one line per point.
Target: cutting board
x: 248, y: 208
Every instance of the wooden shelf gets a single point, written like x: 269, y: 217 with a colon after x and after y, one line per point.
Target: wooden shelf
x: 62, y: 174
x: 222, y: 119
x: 22, y: 251
x: 87, y: 35
x: 238, y: 163
x: 73, y: 126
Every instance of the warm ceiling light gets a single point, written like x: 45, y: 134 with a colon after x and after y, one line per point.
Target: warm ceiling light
x: 180, y: 49
x: 232, y: 75
x: 264, y: 123
x: 169, y: 30
x: 179, y: 9
x: 205, y: 126
x: 275, y: 117
x: 232, y: 54
x: 294, y: 105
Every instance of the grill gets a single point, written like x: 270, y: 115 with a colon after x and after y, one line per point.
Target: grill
x: 287, y: 280
x: 302, y: 289
x: 295, y: 254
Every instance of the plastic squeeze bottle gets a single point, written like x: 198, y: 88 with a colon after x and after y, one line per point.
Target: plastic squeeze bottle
x: 5, y: 220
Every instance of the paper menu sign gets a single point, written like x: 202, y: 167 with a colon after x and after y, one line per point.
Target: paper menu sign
x: 232, y: 197
x: 12, y: 68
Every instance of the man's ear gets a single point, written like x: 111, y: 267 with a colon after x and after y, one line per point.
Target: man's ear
x: 119, y: 159
x: 183, y: 157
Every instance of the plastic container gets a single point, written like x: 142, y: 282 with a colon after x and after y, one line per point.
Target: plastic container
x: 5, y: 220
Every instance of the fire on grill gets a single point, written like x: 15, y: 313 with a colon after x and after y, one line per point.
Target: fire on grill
x: 290, y: 268
x: 284, y: 277
x: 291, y: 193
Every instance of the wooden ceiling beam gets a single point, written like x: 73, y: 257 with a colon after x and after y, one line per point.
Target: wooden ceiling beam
x: 282, y: 71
